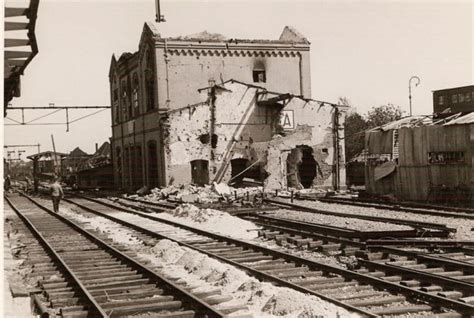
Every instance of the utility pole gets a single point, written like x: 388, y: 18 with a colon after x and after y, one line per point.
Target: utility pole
x: 159, y: 17
x: 336, y: 148
x: 409, y: 89
x: 55, y: 158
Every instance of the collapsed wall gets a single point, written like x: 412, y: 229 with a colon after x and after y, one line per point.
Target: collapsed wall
x: 203, y: 139
x: 230, y: 135
x: 303, y: 157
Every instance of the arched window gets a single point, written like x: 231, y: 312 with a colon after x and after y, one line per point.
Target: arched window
x: 136, y: 108
x: 150, y: 81
x: 124, y: 98
x: 116, y: 102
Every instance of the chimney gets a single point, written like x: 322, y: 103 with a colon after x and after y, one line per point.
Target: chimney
x: 96, y: 147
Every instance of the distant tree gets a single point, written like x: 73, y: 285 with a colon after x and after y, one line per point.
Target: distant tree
x: 354, y: 128
x: 382, y: 115
x: 356, y: 124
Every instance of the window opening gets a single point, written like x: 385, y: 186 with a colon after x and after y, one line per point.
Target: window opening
x: 259, y: 76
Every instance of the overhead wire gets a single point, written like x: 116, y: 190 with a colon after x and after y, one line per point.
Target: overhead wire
x: 48, y: 114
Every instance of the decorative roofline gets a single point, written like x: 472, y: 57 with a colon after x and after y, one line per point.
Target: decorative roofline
x: 241, y: 52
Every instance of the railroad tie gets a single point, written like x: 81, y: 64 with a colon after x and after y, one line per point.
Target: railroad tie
x: 400, y: 310
x: 450, y: 294
x: 467, y: 300
x: 376, y: 301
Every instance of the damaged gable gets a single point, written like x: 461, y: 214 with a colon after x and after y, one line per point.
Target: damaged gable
x: 290, y: 34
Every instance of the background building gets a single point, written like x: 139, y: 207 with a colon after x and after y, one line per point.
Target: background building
x: 453, y: 100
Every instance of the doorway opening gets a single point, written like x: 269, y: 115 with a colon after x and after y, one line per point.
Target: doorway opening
x: 301, y: 168
x: 152, y: 164
x: 200, y: 172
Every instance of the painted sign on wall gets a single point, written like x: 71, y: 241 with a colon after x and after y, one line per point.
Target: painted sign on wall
x: 287, y: 120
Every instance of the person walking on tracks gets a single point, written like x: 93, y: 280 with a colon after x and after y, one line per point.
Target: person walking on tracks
x: 56, y: 194
x: 7, y: 183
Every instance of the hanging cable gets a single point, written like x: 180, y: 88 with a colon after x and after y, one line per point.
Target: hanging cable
x: 57, y: 110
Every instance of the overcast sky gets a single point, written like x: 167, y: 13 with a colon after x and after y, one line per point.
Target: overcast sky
x: 363, y: 50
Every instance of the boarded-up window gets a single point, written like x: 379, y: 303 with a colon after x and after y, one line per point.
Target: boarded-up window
x: 454, y: 98
x: 441, y: 100
x: 446, y: 157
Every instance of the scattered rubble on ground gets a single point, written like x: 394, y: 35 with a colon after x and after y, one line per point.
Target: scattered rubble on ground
x: 218, y: 192
x: 262, y: 299
x: 212, y: 220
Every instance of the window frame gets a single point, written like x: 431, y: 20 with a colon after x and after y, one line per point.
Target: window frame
x: 256, y: 74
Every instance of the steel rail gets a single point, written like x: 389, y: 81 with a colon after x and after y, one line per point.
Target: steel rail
x: 253, y: 272
x: 419, y: 242
x: 343, y: 241
x: 403, y: 207
x: 157, y: 204
x: 374, y: 281
x: 417, y: 224
x: 344, y: 232
x: 96, y: 307
x: 420, y: 275
x: 427, y: 258
x: 194, y: 302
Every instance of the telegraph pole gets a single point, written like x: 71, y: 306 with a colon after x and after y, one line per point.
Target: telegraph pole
x: 336, y: 148
x: 159, y: 17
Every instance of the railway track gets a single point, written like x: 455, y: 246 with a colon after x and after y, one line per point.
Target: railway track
x: 374, y: 290
x: 424, y: 228
x: 260, y: 216
x: 453, y: 212
x: 98, y: 280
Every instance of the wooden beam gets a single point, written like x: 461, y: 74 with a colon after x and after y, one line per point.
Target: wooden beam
x: 274, y: 100
x: 16, y: 54
x: 18, y: 62
x: 15, y: 12
x: 11, y: 26
x: 16, y: 42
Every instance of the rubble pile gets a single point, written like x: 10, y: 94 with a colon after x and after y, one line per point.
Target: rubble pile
x: 262, y: 299
x: 218, y: 192
x: 212, y: 220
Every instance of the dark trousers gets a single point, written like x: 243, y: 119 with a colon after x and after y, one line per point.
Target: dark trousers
x: 56, y: 203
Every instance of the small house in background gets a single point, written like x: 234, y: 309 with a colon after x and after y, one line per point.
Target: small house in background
x: 47, y: 165
x: 72, y: 163
x: 75, y: 159
x: 423, y: 159
x: 97, y: 170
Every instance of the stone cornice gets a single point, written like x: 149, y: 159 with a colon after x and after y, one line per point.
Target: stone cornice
x: 231, y: 46
x: 241, y: 52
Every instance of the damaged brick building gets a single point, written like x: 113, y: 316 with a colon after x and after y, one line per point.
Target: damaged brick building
x: 202, y: 109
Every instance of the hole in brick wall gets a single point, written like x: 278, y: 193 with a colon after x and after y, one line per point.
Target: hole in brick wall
x: 204, y: 138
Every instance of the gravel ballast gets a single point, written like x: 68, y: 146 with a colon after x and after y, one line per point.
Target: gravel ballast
x: 339, y: 221
x: 463, y: 226
x: 204, y: 273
